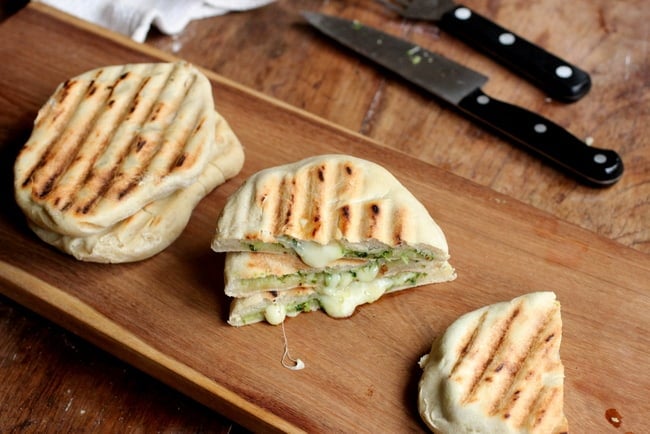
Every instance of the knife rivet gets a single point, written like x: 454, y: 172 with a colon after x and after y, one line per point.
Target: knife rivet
x: 563, y: 71
x: 507, y: 39
x: 600, y: 158
x: 462, y: 13
x: 483, y: 99
x: 540, y: 128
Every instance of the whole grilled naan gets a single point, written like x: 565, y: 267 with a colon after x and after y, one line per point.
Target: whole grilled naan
x: 119, y: 157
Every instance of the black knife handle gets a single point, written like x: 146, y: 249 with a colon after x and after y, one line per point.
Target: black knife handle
x: 557, y: 77
x: 594, y: 166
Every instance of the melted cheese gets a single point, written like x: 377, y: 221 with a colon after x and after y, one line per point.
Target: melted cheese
x: 334, y: 281
x: 275, y: 313
x: 343, y: 302
x: 317, y: 255
x: 368, y: 273
x: 342, y: 294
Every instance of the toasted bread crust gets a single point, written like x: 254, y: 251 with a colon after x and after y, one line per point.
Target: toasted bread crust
x: 323, y: 199
x: 159, y: 223
x: 111, y: 140
x: 500, y: 369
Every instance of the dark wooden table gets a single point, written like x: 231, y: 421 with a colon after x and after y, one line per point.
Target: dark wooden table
x: 54, y: 381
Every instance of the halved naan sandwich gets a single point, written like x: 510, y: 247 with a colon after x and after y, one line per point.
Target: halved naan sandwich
x: 329, y: 207
x: 113, y: 149
x: 335, y: 230
x: 497, y: 370
x: 272, y: 286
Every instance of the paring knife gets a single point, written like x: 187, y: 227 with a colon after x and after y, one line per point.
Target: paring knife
x: 557, y: 77
x: 461, y: 87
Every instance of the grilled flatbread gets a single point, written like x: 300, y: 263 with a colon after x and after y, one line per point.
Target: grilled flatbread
x: 158, y: 224
x: 112, y: 140
x: 119, y: 157
x: 249, y: 273
x: 265, y: 284
x: 272, y: 307
x: 329, y: 232
x: 337, y: 299
x: 326, y: 208
x: 497, y: 370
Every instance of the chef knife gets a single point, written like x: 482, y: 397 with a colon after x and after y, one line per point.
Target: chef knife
x: 557, y: 77
x: 461, y: 87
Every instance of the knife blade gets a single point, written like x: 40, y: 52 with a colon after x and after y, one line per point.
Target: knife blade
x: 558, y: 78
x: 461, y: 87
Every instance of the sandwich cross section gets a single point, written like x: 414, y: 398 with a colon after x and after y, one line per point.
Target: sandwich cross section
x: 328, y: 232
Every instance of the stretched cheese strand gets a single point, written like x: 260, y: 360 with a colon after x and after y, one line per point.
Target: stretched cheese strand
x: 296, y: 364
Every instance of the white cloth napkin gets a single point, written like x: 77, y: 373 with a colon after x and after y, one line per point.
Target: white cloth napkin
x: 135, y: 17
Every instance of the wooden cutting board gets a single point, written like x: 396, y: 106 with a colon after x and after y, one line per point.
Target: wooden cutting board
x: 167, y: 315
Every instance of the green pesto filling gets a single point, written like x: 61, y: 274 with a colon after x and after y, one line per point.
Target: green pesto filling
x: 311, y: 278
x: 405, y: 254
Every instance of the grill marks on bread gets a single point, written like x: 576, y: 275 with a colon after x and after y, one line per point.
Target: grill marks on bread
x: 101, y: 135
x: 502, y: 364
x: 326, y: 201
x: 88, y: 177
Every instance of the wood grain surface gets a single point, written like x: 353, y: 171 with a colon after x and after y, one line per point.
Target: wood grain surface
x: 59, y: 382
